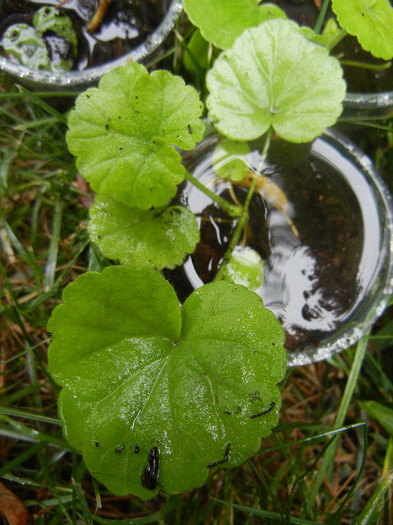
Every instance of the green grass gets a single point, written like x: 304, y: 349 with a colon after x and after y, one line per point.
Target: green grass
x: 327, y: 462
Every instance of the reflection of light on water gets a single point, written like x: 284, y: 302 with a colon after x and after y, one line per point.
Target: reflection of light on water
x: 291, y: 291
x: 290, y: 287
x: 121, y: 27
x: 356, y: 179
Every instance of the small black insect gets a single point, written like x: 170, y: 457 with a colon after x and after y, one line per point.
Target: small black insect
x: 264, y: 412
x: 136, y: 449
x: 255, y: 397
x: 149, y: 477
x: 221, y: 461
x: 97, y: 444
x: 49, y: 334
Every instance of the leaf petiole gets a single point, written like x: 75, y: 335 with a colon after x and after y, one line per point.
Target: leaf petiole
x: 244, y: 216
x: 366, y: 65
x: 230, y: 209
x: 340, y: 35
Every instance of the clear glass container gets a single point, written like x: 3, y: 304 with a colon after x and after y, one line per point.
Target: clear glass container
x: 323, y: 227
x: 74, y: 80
x: 361, y: 106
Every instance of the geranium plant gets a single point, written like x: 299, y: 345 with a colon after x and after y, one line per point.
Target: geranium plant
x: 155, y: 395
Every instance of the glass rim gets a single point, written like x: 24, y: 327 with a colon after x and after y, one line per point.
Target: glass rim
x: 75, y: 79
x: 369, y: 100
x: 354, y: 332
x: 350, y: 332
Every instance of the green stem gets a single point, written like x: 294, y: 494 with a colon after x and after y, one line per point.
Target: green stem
x: 328, y: 461
x: 375, y: 501
x: 244, y: 216
x: 366, y: 65
x: 266, y: 146
x: 321, y: 17
x: 238, y: 230
x: 230, y: 209
x: 340, y: 35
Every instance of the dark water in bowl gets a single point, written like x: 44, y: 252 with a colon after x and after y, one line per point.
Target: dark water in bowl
x: 319, y: 258
x: 127, y: 23
x: 358, y: 79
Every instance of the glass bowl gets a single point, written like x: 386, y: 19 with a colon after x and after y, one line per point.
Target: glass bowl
x: 76, y: 80
x: 324, y: 231
x: 361, y: 106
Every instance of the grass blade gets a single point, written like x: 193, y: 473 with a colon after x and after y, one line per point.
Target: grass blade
x: 328, y: 460
x: 376, y: 500
x: 35, y: 99
x: 51, y: 263
x: 266, y: 514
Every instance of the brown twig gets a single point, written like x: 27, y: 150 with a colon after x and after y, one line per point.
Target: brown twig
x: 98, y: 15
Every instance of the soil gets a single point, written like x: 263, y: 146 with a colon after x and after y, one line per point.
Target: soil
x: 127, y: 23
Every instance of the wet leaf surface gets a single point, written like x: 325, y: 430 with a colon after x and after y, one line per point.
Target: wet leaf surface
x: 274, y: 76
x: 370, y: 22
x: 123, y: 134
x: 155, y: 396
x: 157, y: 237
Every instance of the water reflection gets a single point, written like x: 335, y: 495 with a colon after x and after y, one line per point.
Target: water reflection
x: 316, y: 274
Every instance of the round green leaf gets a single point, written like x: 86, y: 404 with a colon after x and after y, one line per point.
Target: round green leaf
x: 371, y: 21
x: 231, y: 159
x: 222, y: 21
x: 123, y: 132
x: 328, y: 36
x: 274, y: 76
x: 157, y: 237
x: 245, y: 267
x: 22, y: 41
x: 155, y: 397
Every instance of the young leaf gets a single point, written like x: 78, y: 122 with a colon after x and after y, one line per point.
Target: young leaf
x: 370, y: 22
x: 222, y: 21
x: 230, y: 159
x: 329, y: 34
x: 274, y: 76
x: 197, y: 51
x: 157, y: 237
x: 124, y: 130
x: 155, y: 396
x: 245, y: 267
